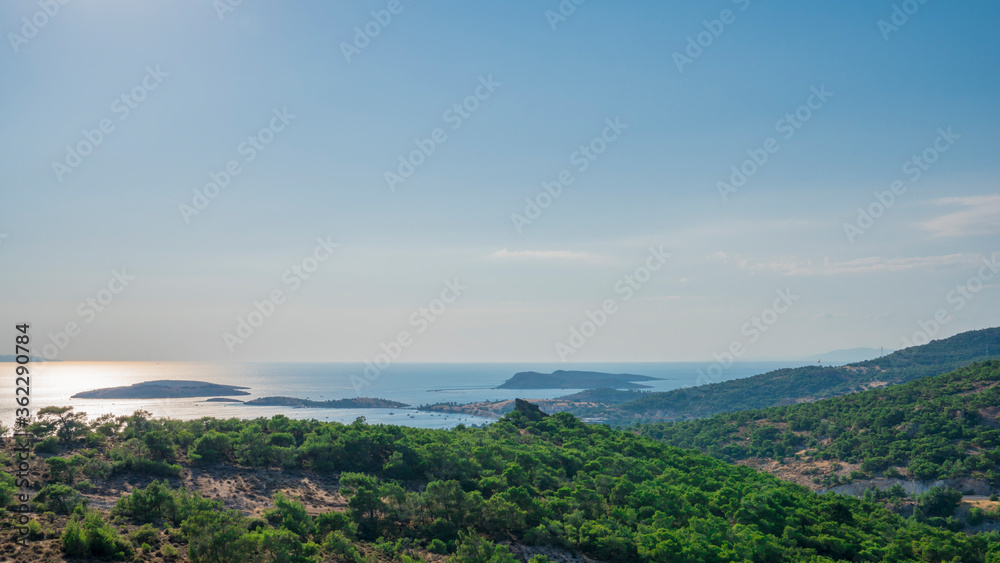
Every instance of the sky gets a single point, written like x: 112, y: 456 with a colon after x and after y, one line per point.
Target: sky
x: 504, y: 181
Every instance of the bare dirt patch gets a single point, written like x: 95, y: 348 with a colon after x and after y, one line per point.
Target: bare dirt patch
x: 252, y: 490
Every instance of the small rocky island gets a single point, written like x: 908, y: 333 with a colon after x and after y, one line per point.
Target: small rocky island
x: 561, y: 379
x: 164, y: 389
x: 358, y: 403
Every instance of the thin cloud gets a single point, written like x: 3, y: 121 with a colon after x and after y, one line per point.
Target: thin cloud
x: 792, y: 266
x: 981, y: 216
x: 541, y: 254
x: 831, y: 315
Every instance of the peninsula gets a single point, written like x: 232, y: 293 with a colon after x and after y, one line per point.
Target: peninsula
x: 358, y: 403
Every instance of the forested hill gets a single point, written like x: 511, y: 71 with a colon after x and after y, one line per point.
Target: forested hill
x: 810, y: 383
x: 947, y: 426
x: 544, y: 487
x: 958, y: 351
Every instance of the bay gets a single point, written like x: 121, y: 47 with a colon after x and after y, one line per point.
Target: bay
x: 53, y: 384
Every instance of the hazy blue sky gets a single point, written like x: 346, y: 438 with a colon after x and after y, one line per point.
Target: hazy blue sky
x: 888, y: 94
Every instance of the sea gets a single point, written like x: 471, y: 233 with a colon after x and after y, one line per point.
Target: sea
x: 416, y: 384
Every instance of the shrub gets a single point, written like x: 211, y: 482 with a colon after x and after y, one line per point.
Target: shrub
x: 976, y: 516
x: 280, y: 546
x: 49, y: 445
x: 474, y: 549
x: 95, y: 440
x: 158, y: 501
x: 338, y: 545
x: 134, y: 454
x: 896, y: 491
x: 939, y: 502
x: 146, y: 505
x: 88, y: 535
x: 155, y: 468
x: 290, y: 514
x: 281, y: 439
x: 388, y: 548
x: 333, y: 522
x: 64, y: 469
x: 215, y: 535
x: 59, y: 498
x: 210, y: 448
x: 147, y: 534
x: 35, y: 530
x: 7, y: 489
x: 97, y: 469
x: 161, y: 445
x: 437, y: 546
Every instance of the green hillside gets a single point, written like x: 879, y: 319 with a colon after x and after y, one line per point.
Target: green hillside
x: 938, y: 427
x: 529, y: 484
x: 794, y: 385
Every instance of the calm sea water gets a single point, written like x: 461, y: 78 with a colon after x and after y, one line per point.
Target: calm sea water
x: 54, y: 383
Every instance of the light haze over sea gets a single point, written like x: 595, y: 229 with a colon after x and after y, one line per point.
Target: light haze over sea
x: 53, y: 383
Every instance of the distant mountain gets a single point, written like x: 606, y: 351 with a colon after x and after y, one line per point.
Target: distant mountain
x: 850, y: 355
x: 561, y: 379
x: 32, y: 359
x: 804, y: 384
x: 164, y: 389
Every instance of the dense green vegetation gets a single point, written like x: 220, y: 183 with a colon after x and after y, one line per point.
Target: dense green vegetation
x: 787, y: 386
x: 465, y: 494
x: 931, y: 428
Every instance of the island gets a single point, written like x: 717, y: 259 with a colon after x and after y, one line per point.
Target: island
x: 561, y: 379
x: 164, y: 389
x: 358, y: 403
